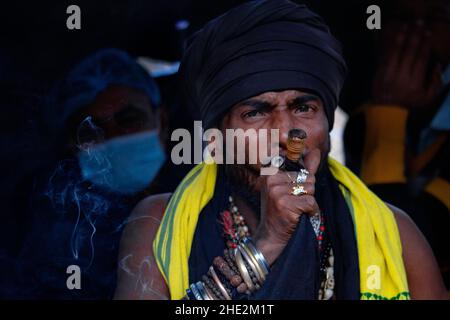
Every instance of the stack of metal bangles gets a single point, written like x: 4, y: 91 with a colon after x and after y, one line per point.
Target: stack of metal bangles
x: 240, y: 272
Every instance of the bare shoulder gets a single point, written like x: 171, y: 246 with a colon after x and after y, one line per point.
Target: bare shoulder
x: 151, y: 207
x: 144, y: 221
x: 138, y: 274
x: 424, y: 278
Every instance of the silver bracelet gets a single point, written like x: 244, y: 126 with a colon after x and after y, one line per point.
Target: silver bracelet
x: 258, y: 255
x: 243, y: 270
x: 195, y: 292
x: 252, y: 263
x: 201, y: 289
x: 219, y: 283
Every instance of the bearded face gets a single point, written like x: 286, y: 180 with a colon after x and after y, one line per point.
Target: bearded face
x: 282, y: 110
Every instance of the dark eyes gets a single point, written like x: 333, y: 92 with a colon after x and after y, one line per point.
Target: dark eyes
x: 253, y: 113
x: 303, y: 108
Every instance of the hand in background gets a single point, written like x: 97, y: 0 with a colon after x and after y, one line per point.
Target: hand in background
x: 403, y: 76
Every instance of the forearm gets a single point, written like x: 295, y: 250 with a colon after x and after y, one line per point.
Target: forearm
x: 384, y: 147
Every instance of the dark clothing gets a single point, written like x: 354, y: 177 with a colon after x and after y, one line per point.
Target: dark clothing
x: 295, y: 274
x: 257, y: 47
x: 71, y: 223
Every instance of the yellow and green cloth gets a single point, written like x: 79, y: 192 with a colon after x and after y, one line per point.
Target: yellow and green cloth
x: 382, y: 273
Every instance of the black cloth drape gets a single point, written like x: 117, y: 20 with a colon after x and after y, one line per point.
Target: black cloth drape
x: 295, y: 274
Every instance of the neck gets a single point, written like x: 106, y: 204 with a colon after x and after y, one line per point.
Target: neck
x: 250, y: 215
x: 242, y: 182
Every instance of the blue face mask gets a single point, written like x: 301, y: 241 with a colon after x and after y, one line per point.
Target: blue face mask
x: 126, y: 164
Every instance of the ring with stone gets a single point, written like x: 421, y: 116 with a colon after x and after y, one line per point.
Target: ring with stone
x: 277, y: 161
x: 298, y: 190
x: 302, y: 175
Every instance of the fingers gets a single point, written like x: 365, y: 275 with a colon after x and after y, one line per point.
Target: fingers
x: 410, y: 46
x: 295, y: 206
x: 403, y: 77
x: 423, y: 47
x: 290, y: 208
x: 280, y: 190
x: 288, y: 180
x: 304, y: 204
x: 284, y: 199
x: 419, y: 69
x: 292, y: 178
x: 394, y: 53
x: 312, y: 161
x: 416, y: 59
x: 435, y: 85
x: 411, y: 49
x: 280, y: 178
x: 310, y: 188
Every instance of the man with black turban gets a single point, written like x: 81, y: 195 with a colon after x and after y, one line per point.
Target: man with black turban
x: 228, y: 232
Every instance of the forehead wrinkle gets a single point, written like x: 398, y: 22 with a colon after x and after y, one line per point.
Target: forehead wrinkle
x: 302, y: 98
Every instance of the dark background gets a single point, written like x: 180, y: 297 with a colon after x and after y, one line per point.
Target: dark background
x: 37, y: 50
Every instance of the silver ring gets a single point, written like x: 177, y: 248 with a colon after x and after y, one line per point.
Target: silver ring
x: 302, y: 175
x: 277, y: 161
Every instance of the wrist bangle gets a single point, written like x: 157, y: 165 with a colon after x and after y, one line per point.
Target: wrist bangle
x: 210, y: 294
x: 251, y: 262
x: 258, y: 255
x: 189, y: 295
x: 226, y: 283
x: 202, y: 290
x: 219, y: 284
x: 195, y: 292
x: 243, y: 271
x: 211, y: 287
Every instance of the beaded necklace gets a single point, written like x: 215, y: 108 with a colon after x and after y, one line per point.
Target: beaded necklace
x: 235, y: 228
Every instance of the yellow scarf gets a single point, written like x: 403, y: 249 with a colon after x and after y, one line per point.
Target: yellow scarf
x: 382, y: 273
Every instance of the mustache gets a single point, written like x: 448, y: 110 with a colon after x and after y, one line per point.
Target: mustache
x: 243, y: 180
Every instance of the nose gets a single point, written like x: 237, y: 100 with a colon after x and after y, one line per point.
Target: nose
x: 283, y: 122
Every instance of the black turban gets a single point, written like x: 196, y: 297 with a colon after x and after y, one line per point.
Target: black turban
x: 257, y: 47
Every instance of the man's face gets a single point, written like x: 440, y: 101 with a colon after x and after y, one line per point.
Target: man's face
x: 283, y: 110
x: 117, y: 111
x: 121, y: 110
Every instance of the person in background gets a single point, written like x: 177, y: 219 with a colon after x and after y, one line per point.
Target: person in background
x: 229, y: 233
x: 109, y: 107
x: 405, y: 154
x: 105, y: 115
